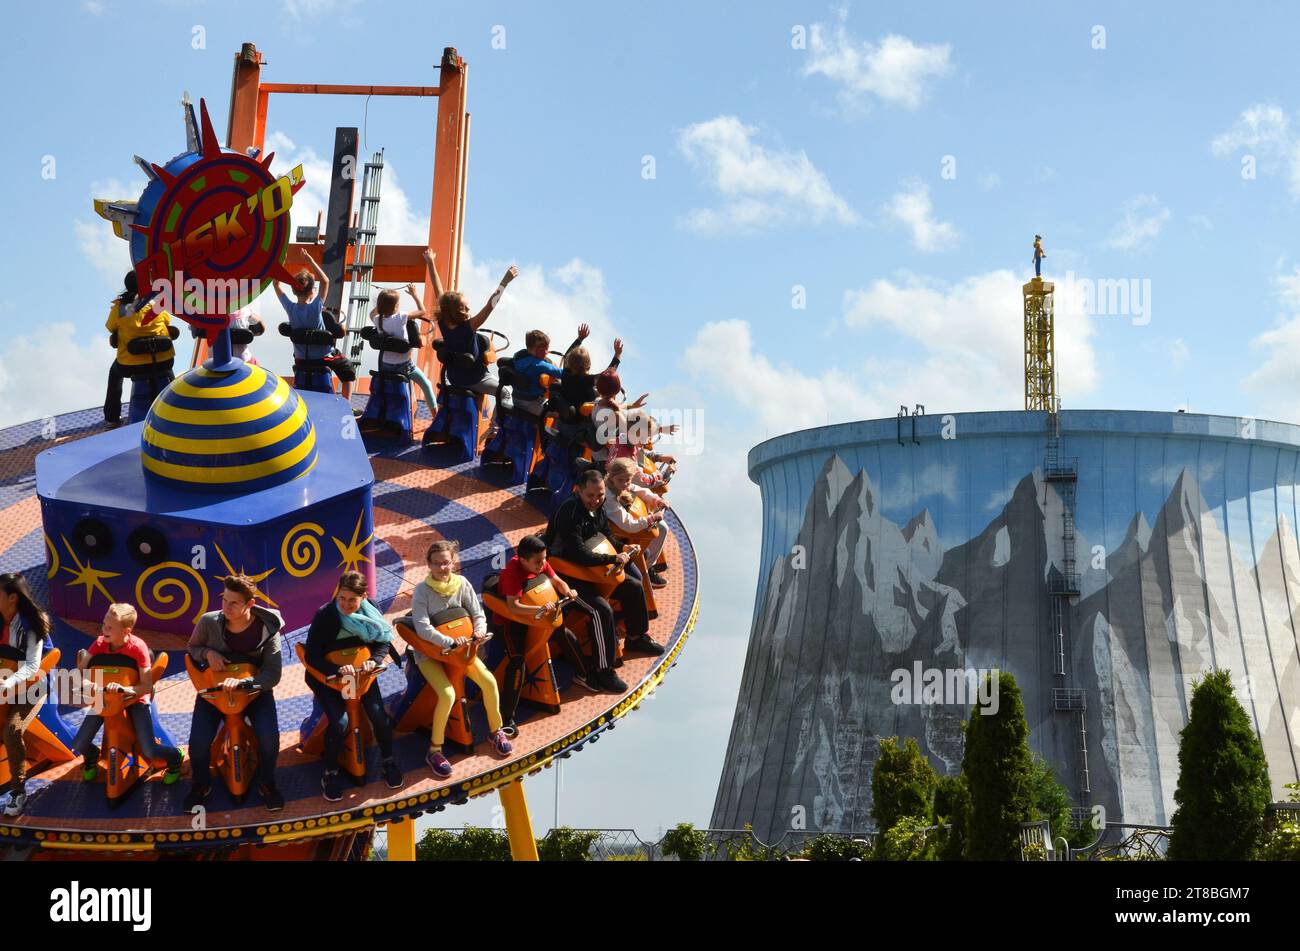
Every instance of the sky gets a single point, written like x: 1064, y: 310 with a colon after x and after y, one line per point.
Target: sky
x: 793, y: 213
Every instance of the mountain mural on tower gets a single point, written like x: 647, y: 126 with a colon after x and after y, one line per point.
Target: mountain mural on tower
x: 859, y: 597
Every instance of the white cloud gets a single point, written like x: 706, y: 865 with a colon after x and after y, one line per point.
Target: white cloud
x: 1144, y: 217
x: 895, y: 70
x: 108, y: 254
x: 914, y: 209
x: 1258, y: 127
x: 93, y: 6
x: 971, y: 341
x: 306, y: 9
x: 970, y: 356
x: 54, y: 371
x: 1274, y: 383
x: 780, y: 397
x: 1179, y: 352
x: 1264, y: 130
x: 762, y: 188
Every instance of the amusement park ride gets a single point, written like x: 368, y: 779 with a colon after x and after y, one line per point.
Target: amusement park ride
x: 233, y: 469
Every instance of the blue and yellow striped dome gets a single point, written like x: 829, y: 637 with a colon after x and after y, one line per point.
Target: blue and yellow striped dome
x: 237, y: 430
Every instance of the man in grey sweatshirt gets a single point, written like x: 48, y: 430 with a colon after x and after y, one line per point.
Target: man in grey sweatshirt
x: 247, y: 632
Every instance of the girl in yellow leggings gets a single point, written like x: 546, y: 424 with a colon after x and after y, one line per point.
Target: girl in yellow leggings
x: 441, y: 590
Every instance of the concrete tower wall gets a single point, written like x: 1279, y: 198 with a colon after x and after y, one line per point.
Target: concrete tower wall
x: 936, y: 552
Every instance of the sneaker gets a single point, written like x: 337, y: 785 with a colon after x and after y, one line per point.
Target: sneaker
x: 174, y: 772
x: 197, y: 796
x: 113, y: 423
x: 16, y: 804
x: 331, y: 785
x: 586, y: 681
x: 271, y: 798
x: 90, y: 765
x: 440, y: 765
x: 657, y: 580
x: 392, y: 775
x: 643, y: 645
x: 500, y: 744
x: 610, y: 682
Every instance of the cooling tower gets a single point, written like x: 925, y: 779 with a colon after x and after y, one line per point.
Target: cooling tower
x: 1106, y: 566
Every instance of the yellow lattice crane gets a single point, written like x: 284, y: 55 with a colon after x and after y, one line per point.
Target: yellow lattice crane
x: 1040, y: 337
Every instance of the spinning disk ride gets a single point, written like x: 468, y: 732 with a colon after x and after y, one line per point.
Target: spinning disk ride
x: 402, y: 502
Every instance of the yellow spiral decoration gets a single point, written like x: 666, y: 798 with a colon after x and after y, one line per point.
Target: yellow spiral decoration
x: 159, y: 592
x: 300, y: 555
x: 53, y: 570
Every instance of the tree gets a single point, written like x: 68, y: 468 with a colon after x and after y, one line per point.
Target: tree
x: 565, y: 844
x: 829, y: 847
x: 472, y: 844
x: 902, y: 784
x: 1283, y: 842
x: 952, y: 807
x: 910, y: 839
x: 686, y: 842
x: 1223, y: 788
x: 1052, y: 802
x: 998, y: 773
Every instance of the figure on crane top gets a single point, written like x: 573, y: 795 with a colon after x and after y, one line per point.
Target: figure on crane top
x: 1039, y: 254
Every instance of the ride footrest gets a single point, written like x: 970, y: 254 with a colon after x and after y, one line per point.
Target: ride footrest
x: 456, y: 426
x: 145, y: 388
x: 314, y: 376
x: 513, y: 446
x: 389, y: 406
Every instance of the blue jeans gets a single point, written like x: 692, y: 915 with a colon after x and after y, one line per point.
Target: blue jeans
x: 336, y: 719
x: 142, y: 721
x: 266, y: 729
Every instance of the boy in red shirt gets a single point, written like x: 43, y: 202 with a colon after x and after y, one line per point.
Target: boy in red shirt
x: 117, y: 636
x: 529, y: 562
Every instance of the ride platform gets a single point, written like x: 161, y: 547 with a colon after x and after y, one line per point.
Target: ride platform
x: 414, y: 504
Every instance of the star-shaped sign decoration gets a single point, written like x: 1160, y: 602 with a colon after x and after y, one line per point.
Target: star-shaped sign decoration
x: 90, y: 578
x: 255, y: 578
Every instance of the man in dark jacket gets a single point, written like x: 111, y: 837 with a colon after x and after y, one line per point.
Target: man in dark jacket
x: 578, y: 520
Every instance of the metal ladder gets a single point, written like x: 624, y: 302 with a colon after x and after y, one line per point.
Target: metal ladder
x: 1063, y: 473
x: 363, y: 258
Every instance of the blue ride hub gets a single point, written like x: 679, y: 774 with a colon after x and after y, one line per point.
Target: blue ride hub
x: 116, y: 533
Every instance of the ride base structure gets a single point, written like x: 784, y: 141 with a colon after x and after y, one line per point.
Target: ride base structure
x: 234, y: 471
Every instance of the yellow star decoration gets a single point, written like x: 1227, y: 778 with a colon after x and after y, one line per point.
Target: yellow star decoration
x: 91, y: 578
x: 251, y: 577
x: 351, y: 553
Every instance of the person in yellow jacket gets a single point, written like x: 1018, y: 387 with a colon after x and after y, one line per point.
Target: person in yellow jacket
x: 130, y: 318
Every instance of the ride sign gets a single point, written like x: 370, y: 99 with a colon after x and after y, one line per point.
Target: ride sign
x: 212, y: 229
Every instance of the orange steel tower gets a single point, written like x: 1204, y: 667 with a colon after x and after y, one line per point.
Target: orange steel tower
x: 249, y: 100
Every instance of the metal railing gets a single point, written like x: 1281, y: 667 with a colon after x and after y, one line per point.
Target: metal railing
x: 625, y: 845
x: 1114, y: 841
